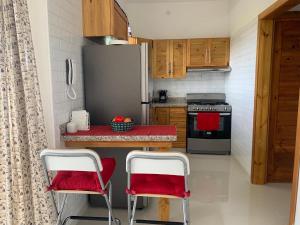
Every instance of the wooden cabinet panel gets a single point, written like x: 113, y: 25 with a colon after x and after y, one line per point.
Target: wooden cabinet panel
x: 197, y: 53
x: 178, y: 119
x: 161, y: 59
x: 285, y: 86
x: 177, y: 112
x: 172, y: 116
x: 178, y: 58
x: 219, y: 52
x: 104, y: 18
x: 162, y: 116
x: 138, y: 41
x: 119, y: 23
x: 208, y: 52
x: 96, y: 17
x: 169, y: 58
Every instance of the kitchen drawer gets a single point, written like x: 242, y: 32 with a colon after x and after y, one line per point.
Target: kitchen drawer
x: 178, y: 111
x: 178, y: 120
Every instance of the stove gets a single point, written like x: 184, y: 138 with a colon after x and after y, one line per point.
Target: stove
x: 212, y: 102
x: 216, y: 141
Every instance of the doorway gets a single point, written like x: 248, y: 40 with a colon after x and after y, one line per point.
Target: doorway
x: 285, y: 85
x: 276, y: 93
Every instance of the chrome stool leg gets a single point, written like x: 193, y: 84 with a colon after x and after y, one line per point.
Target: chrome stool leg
x: 133, y: 210
x: 114, y: 220
x: 61, y: 209
x: 129, y: 208
x: 110, y: 201
x: 186, y: 215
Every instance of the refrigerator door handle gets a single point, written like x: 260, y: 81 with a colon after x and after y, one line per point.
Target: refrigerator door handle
x: 146, y: 114
x: 144, y: 73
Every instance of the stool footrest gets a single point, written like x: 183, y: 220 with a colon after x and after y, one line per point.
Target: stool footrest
x: 88, y: 218
x: 159, y: 222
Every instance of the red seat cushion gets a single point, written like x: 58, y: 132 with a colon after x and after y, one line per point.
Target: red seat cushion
x: 83, y: 181
x: 158, y: 184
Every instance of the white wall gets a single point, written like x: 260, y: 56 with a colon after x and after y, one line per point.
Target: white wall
x: 240, y: 83
x: 66, y: 41
x: 242, y: 12
x: 184, y: 19
x: 39, y: 27
x: 195, y: 82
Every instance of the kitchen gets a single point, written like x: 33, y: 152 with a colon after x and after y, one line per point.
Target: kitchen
x: 203, y: 56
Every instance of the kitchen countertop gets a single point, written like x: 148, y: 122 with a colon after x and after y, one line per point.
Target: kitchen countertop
x: 138, y: 133
x: 171, y: 102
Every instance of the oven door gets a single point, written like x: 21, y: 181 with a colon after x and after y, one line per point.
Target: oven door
x: 224, y: 131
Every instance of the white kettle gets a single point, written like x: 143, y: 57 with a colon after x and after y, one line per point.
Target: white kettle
x: 82, y: 119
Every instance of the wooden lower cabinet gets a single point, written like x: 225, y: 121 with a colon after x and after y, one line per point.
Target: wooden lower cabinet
x: 172, y: 116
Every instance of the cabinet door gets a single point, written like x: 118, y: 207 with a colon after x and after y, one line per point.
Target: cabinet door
x: 162, y: 116
x: 178, y: 58
x: 96, y: 17
x: 119, y: 22
x: 197, y: 52
x: 161, y: 59
x: 219, y: 52
x: 178, y: 119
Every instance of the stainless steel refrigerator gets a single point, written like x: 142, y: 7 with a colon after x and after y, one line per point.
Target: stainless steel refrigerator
x: 117, y: 82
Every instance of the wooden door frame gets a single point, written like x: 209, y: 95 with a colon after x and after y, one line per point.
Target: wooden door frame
x: 263, y: 81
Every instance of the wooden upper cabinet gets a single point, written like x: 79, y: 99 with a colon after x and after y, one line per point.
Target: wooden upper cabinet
x: 219, y: 52
x: 208, y: 52
x: 161, y: 59
x: 197, y: 52
x: 169, y: 58
x: 178, y: 58
x: 119, y: 22
x: 104, y: 18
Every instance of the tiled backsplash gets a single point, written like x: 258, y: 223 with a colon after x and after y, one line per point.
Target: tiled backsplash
x: 195, y: 82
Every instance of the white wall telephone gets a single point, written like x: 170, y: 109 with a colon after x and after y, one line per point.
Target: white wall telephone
x: 71, y: 78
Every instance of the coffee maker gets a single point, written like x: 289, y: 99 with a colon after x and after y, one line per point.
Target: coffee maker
x: 163, y: 96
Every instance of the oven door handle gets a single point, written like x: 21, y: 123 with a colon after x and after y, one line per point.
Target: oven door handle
x: 221, y: 114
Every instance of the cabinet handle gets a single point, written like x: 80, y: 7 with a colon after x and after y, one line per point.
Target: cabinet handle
x: 205, y: 55
x: 209, y: 55
x: 170, y: 69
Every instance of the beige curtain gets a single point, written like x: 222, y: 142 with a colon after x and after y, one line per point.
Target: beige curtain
x: 23, y: 200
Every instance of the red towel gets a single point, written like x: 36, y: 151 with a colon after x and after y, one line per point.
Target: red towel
x: 208, y: 121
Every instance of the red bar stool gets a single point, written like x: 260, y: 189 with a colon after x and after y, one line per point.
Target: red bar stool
x: 157, y: 174
x: 79, y: 171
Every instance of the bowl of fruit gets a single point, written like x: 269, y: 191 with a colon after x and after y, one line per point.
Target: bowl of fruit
x: 122, y: 124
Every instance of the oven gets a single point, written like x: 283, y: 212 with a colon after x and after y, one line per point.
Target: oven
x: 209, y: 142
x: 224, y: 132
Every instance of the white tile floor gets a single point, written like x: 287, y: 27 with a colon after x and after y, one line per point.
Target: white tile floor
x: 221, y: 195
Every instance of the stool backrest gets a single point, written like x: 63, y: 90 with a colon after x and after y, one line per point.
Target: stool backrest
x: 164, y: 163
x: 71, y: 160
